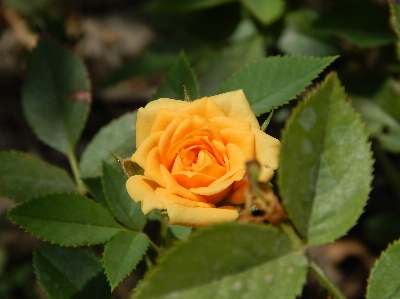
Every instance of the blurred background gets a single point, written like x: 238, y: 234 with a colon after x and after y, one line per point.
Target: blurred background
x: 129, y: 45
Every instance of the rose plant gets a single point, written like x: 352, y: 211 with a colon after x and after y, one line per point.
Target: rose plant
x: 202, y: 162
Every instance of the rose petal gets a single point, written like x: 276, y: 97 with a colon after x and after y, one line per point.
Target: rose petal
x: 236, y: 156
x: 190, y: 141
x: 174, y: 188
x: 190, y: 179
x: 142, y: 189
x: 218, y: 197
x: 243, y: 139
x: 147, y: 115
x: 238, y: 195
x: 234, y: 104
x: 229, y: 122
x: 267, y: 153
x: 237, y: 161
x: 208, y: 165
x: 267, y: 149
x: 185, y: 165
x: 165, y: 141
x: 171, y: 199
x: 265, y: 174
x: 140, y: 156
x: 220, y: 184
x: 203, y: 107
x: 196, y: 126
x: 199, y: 217
x: 205, y: 205
x: 164, y: 117
x: 152, y: 169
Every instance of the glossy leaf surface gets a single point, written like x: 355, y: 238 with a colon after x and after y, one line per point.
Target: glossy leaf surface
x: 66, y: 219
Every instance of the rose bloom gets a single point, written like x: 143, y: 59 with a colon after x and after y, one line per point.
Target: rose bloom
x: 193, y: 155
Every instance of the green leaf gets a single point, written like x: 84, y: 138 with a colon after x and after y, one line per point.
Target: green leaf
x: 96, y: 190
x: 124, y: 208
x: 382, y: 115
x: 388, y: 98
x: 384, y: 278
x: 187, y: 5
x: 119, y: 136
x: 274, y: 81
x: 300, y: 37
x: 180, y: 74
x: 395, y: 22
x: 326, y: 165
x: 56, y: 96
x: 218, y: 68
x: 23, y: 176
x: 380, y: 125
x: 231, y: 260
x: 69, y: 273
x: 363, y: 23
x: 149, y: 64
x: 122, y: 253
x: 66, y: 219
x: 266, y: 11
x: 180, y: 232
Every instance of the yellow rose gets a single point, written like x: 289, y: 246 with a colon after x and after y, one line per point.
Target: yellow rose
x: 193, y: 155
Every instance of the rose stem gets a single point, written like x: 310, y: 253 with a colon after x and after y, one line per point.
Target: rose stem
x: 325, y: 281
x: 155, y: 247
x: 76, y: 172
x: 287, y: 228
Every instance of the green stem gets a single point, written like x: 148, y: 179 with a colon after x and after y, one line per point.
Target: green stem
x: 155, y: 247
x: 325, y: 281
x: 76, y: 172
x: 288, y: 229
x: 297, y: 243
x: 149, y: 264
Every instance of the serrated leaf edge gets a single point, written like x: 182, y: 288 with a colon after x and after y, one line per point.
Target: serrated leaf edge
x: 377, y: 262
x: 250, y: 64
x: 51, y: 242
x: 134, y: 267
x: 358, y: 119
